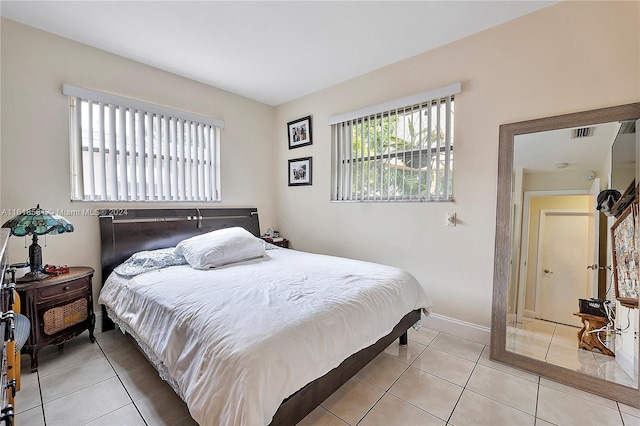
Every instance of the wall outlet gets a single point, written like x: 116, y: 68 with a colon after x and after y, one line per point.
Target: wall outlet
x: 451, y: 219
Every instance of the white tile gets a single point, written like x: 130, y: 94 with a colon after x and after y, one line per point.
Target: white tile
x: 407, y: 353
x: 123, y: 361
x: 445, y: 365
x: 485, y: 360
x: 321, y: 417
x: 504, y: 388
x: 56, y: 360
x: 28, y: 397
x: 116, y: 342
x: 86, y: 405
x: 31, y: 417
x: 613, y: 372
x: 162, y: 407
x: 530, y: 338
x: 474, y: 409
x: 424, y: 335
x: 455, y: 345
x: 583, y: 365
x: 629, y: 410
x: 352, y: 401
x: 25, y: 369
x: 125, y: 416
x: 99, y: 334
x: 392, y: 410
x: 428, y: 392
x: 72, y: 379
x: 382, y: 371
x: 579, y: 393
x: 566, y: 409
x: 630, y: 420
x: 142, y: 381
x: 539, y: 327
x: 569, y: 331
x: 531, y: 347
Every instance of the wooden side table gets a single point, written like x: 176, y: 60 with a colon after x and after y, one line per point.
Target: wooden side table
x: 590, y: 340
x: 59, y: 308
x: 284, y: 243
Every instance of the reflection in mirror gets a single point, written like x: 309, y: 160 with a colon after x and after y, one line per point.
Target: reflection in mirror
x: 623, y: 156
x: 555, y: 311
x: 561, y: 250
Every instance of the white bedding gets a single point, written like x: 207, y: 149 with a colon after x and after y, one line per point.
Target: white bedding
x: 239, y: 339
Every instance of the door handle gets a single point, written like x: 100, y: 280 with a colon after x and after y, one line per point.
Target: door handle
x: 546, y: 271
x: 594, y: 267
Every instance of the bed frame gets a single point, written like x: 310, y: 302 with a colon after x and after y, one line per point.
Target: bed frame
x: 126, y: 231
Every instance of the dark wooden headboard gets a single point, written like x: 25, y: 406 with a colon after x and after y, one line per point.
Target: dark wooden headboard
x: 127, y: 231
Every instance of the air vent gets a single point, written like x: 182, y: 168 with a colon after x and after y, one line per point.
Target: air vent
x: 582, y: 132
x: 627, y: 127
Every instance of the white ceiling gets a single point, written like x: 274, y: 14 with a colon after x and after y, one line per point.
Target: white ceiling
x: 270, y: 51
x: 543, y: 151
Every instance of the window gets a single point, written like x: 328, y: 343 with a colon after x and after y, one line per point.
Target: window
x: 398, y: 151
x: 127, y: 150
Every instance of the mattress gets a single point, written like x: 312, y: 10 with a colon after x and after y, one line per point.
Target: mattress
x: 238, y: 339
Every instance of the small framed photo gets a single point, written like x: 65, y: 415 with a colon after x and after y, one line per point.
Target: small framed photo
x: 300, y: 171
x: 299, y: 132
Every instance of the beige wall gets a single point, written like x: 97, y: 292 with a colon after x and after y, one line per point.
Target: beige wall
x: 570, y: 57
x: 35, y: 142
x: 561, y: 180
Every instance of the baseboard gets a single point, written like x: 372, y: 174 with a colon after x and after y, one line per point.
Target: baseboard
x: 466, y: 330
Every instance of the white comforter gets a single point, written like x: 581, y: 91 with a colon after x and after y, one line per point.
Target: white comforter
x: 241, y: 338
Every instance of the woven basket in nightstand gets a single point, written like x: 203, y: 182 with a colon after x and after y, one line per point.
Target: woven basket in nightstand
x: 61, y: 317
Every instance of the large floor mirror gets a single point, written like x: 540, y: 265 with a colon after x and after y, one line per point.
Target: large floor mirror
x: 554, y: 250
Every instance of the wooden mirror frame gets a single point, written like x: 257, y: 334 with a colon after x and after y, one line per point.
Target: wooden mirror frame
x: 508, y: 132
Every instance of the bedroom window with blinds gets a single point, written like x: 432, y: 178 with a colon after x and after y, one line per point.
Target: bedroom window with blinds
x: 401, y: 150
x: 127, y: 150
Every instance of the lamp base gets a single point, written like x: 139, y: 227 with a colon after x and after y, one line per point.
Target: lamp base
x: 33, y: 276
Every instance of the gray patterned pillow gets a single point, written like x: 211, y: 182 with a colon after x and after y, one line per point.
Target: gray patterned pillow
x: 269, y: 246
x: 149, y: 260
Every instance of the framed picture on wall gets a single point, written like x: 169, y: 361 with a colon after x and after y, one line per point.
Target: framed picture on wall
x: 300, y: 171
x: 625, y: 257
x: 299, y: 132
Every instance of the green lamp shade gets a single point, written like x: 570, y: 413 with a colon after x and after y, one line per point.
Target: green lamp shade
x: 38, y: 222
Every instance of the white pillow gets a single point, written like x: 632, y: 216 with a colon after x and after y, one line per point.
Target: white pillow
x: 220, y: 247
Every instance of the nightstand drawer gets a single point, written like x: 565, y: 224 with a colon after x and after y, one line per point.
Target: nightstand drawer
x: 64, y: 289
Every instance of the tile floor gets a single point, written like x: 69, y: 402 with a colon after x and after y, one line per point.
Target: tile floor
x: 437, y: 379
x: 558, y: 344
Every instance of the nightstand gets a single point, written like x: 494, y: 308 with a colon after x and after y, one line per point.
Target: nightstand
x: 284, y: 243
x: 59, y: 307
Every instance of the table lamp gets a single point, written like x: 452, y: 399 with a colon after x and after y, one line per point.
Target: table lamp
x: 37, y: 222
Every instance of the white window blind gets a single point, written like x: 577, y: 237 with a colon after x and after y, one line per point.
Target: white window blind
x: 401, y: 150
x: 127, y: 150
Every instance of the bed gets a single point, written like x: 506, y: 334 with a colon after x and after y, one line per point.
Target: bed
x: 271, y: 342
